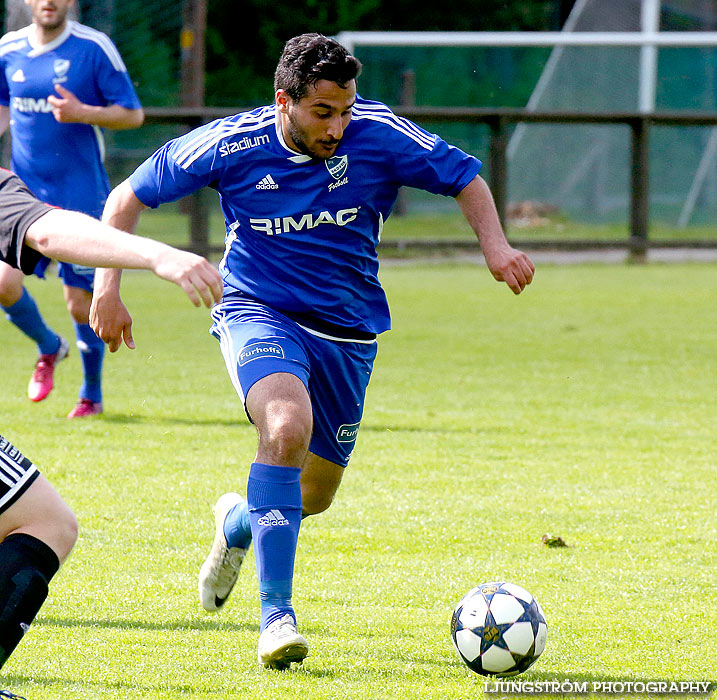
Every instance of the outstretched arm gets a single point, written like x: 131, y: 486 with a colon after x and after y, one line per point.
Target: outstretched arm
x: 506, y: 263
x: 73, y: 237
x: 77, y: 238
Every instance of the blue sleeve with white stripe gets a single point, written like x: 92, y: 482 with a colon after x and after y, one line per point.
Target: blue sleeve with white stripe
x: 114, y: 84
x: 417, y: 158
x: 103, y: 65
x: 444, y: 170
x: 177, y: 169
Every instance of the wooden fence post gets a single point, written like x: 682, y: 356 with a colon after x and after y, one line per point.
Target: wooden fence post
x: 640, y: 188
x: 498, y: 162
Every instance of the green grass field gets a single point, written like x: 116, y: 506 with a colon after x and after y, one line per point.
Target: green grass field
x: 585, y: 408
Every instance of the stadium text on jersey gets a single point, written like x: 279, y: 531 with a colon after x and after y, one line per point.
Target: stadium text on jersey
x: 226, y: 148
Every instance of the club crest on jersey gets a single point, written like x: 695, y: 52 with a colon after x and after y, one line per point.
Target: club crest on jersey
x: 337, y: 167
x: 61, y: 66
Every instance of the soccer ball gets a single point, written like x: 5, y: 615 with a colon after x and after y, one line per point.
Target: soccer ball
x: 499, y: 629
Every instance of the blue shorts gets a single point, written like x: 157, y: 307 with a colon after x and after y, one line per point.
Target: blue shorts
x: 76, y: 276
x: 72, y: 275
x: 257, y: 341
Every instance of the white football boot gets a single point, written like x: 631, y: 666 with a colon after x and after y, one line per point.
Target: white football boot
x: 280, y: 644
x: 221, y: 568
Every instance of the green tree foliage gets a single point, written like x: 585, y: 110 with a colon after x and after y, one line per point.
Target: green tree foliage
x: 149, y: 44
x: 244, y: 41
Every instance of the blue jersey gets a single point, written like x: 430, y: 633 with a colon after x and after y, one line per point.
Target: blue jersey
x: 62, y: 164
x: 302, y: 233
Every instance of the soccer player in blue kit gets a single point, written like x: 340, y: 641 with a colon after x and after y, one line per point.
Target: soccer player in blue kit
x: 305, y: 186
x: 60, y: 83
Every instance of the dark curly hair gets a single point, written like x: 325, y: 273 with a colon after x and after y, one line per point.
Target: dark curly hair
x: 308, y: 58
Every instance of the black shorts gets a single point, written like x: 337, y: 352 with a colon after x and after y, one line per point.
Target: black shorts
x: 19, y: 209
x: 17, y: 472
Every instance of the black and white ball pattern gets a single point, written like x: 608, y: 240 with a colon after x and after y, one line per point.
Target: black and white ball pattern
x: 499, y: 629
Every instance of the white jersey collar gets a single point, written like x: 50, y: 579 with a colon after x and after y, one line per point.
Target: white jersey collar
x: 39, y: 49
x: 295, y: 157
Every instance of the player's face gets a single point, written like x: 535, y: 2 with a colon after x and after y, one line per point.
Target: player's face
x: 315, y: 124
x: 49, y: 14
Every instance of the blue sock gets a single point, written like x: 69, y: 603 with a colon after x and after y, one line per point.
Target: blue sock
x: 274, y: 496
x: 26, y: 316
x: 237, y: 526
x: 92, y: 352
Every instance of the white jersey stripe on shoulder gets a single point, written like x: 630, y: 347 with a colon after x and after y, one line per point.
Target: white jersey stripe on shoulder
x: 188, y: 158
x: 423, y: 142
x: 15, y: 35
x: 7, y: 48
x: 386, y: 113
x: 221, y: 125
x: 200, y: 146
x: 383, y: 109
x: 103, y: 41
x: 210, y: 143
x: 417, y: 131
x: 194, y: 143
x: 14, y: 40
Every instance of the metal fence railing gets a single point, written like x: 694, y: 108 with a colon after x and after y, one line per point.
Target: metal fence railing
x: 500, y: 121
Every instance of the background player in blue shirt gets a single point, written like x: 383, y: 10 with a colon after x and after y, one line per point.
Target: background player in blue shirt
x: 37, y: 528
x: 60, y: 82
x: 305, y: 185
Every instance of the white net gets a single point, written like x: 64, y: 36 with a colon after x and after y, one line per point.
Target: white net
x: 584, y: 169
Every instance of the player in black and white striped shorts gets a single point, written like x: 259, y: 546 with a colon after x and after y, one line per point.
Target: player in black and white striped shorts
x: 17, y: 472
x: 30, y: 555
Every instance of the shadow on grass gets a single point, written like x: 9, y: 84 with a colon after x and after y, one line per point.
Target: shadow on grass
x: 187, y: 625
x: 139, y: 419
x: 438, y: 430
x: 134, y: 689
x: 201, y: 625
x: 127, y: 689
x: 242, y: 423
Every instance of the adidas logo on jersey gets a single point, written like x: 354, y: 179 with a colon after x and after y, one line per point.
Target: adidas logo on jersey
x: 18, y: 76
x: 273, y: 518
x: 267, y: 183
